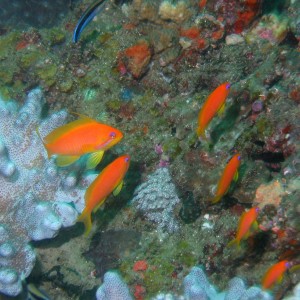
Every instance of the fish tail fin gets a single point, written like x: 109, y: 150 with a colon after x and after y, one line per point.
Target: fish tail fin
x: 201, y: 132
x: 86, y: 219
x: 216, y: 199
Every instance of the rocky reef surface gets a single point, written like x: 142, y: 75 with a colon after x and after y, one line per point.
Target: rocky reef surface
x: 146, y: 67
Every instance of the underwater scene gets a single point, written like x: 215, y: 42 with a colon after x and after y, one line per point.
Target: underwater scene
x: 149, y: 149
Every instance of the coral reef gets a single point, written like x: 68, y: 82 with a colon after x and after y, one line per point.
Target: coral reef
x: 156, y: 199
x: 148, y: 66
x: 196, y: 287
x: 37, y: 199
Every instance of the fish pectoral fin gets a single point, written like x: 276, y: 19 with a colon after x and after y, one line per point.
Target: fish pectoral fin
x: 94, y: 159
x: 66, y: 160
x: 236, y: 176
x: 98, y: 205
x: 221, y: 110
x: 279, y: 279
x: 254, y: 226
x: 117, y: 190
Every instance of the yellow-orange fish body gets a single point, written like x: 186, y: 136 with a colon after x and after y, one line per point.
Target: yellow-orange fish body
x: 275, y: 274
x: 230, y: 173
x: 213, y: 104
x: 80, y: 137
x: 108, y: 181
x: 246, y: 223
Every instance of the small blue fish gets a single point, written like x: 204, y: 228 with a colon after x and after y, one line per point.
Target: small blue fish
x: 87, y: 17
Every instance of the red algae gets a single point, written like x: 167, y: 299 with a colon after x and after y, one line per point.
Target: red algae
x: 136, y: 58
x: 140, y: 265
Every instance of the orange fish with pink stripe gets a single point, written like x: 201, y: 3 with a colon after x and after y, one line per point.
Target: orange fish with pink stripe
x: 108, y: 181
x: 80, y: 137
x: 275, y: 274
x: 215, y: 103
x: 230, y: 173
x: 248, y: 222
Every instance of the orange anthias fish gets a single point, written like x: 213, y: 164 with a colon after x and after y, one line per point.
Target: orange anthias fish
x: 275, y: 274
x: 109, y: 180
x: 230, y: 173
x: 246, y: 223
x: 80, y: 137
x: 213, y: 104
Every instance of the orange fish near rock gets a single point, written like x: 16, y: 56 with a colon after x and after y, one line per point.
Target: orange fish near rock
x: 275, y: 274
x: 215, y: 103
x: 109, y: 180
x: 80, y: 137
x: 246, y: 223
x: 230, y: 173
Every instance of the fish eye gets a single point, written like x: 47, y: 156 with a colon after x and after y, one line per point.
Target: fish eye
x: 239, y: 157
x: 112, y: 135
x: 126, y: 159
x: 227, y: 86
x: 287, y: 264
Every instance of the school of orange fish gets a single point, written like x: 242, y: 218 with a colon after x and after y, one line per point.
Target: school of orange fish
x: 87, y: 136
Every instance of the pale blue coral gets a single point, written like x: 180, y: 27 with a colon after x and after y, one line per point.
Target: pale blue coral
x: 113, y: 288
x: 156, y: 199
x: 36, y: 198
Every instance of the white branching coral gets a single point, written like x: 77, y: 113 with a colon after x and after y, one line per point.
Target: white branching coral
x: 36, y: 198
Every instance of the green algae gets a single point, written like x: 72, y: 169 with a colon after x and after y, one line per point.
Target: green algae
x: 6, y: 76
x: 30, y: 57
x: 160, y: 273
x: 56, y: 36
x: 47, y: 73
x: 172, y: 147
x: 113, y: 105
x: 7, y: 44
x: 263, y: 126
x: 66, y: 85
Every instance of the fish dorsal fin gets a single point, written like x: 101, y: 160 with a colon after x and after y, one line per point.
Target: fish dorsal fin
x: 221, y: 110
x: 82, y: 117
x: 94, y: 159
x: 236, y: 176
x: 60, y: 131
x: 117, y: 190
x: 66, y: 160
